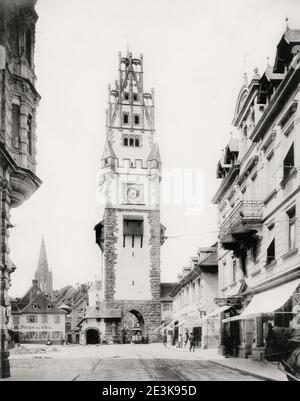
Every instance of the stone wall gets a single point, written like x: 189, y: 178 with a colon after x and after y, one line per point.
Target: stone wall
x: 110, y: 254
x: 149, y: 309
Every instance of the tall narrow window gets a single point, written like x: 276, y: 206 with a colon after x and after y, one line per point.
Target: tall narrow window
x: 135, y: 97
x: 137, y: 143
x: 292, y: 228
x: 136, y: 120
x: 289, y: 162
x: 28, y: 47
x: 125, y: 141
x: 29, y: 134
x: 15, y: 125
x: 125, y: 118
x: 131, y: 143
x: 271, y: 252
x: 234, y: 270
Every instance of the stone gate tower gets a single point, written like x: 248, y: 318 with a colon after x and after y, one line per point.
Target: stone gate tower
x: 130, y: 234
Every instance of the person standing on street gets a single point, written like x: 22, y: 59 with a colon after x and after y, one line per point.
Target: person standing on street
x: 192, y: 342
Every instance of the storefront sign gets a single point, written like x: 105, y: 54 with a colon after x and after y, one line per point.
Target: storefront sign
x: 22, y: 327
x: 231, y: 301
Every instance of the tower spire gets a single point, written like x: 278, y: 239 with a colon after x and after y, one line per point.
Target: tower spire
x: 43, y: 261
x: 42, y: 274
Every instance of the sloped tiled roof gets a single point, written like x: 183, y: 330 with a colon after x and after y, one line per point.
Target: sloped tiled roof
x: 165, y: 290
x: 42, y: 301
x: 292, y: 35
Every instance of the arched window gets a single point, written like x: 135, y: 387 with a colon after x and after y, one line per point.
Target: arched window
x: 125, y: 141
x: 137, y: 142
x: 131, y: 142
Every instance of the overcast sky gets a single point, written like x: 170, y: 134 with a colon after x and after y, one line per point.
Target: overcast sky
x: 195, y: 54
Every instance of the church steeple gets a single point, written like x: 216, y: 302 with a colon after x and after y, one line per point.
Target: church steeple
x: 43, y: 275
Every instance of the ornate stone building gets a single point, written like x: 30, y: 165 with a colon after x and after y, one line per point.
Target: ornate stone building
x: 130, y: 234
x: 258, y: 202
x: 18, y: 103
x: 43, y: 275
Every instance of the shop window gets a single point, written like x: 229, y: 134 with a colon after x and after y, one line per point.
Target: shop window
x: 271, y: 252
x: 16, y: 125
x: 292, y: 228
x: 136, y: 119
x: 289, y: 162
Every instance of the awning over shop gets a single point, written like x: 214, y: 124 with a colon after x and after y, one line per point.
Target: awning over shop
x: 217, y: 311
x: 267, y: 301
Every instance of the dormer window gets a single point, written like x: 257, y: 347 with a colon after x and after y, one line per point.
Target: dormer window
x: 35, y: 306
x: 49, y: 306
x: 135, y: 97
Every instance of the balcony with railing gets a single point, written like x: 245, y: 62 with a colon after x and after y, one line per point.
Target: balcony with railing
x: 244, y: 220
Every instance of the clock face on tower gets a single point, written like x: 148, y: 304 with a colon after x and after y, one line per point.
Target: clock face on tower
x: 133, y: 193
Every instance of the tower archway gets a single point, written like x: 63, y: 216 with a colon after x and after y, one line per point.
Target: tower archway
x: 133, y: 327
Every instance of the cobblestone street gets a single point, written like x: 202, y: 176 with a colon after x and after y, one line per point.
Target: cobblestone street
x: 151, y: 362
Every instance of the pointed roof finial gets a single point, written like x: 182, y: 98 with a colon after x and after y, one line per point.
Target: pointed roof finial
x: 287, y: 23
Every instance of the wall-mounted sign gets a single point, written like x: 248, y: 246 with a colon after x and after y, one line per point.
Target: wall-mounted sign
x: 231, y: 301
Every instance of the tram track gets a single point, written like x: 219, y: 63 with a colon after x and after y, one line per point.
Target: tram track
x: 159, y: 364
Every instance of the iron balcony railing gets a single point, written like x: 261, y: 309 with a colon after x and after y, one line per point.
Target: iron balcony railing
x: 247, y: 213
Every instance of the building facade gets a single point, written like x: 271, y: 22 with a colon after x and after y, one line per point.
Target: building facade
x: 43, y: 275
x: 36, y: 319
x: 130, y: 234
x: 18, y: 102
x: 259, y: 203
x: 193, y: 299
x: 73, y: 300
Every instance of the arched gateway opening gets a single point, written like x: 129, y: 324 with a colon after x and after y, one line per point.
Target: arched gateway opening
x: 92, y: 336
x: 133, y: 327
